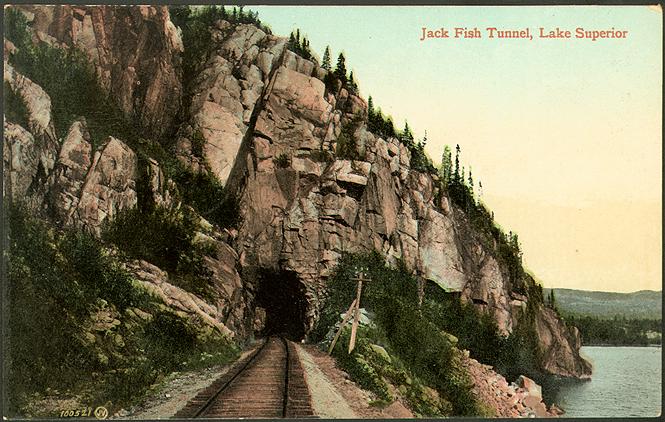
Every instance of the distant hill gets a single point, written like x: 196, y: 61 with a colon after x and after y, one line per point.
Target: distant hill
x: 642, y: 304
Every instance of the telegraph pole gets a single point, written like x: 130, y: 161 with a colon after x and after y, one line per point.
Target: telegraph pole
x: 354, y: 310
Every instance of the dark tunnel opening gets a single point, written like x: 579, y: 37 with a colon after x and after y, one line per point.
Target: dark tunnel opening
x: 282, y: 296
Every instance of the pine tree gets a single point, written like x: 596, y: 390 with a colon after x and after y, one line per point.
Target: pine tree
x: 370, y: 110
x: 389, y: 127
x: 326, y: 59
x: 406, y: 135
x: 340, y: 70
x: 352, y: 83
x: 471, y: 181
x: 446, y: 165
x: 456, y: 176
x: 305, y: 49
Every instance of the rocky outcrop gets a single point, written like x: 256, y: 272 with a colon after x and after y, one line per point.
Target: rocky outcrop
x: 89, y: 189
x: 36, y: 100
x: 523, y: 398
x: 560, y: 345
x: 29, y: 153
x: 135, y: 50
x: 225, y: 95
x: 184, y: 303
x: 302, y: 207
x: 84, y: 187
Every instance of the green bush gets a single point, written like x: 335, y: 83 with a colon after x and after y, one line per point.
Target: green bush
x: 166, y: 238
x: 14, y: 107
x: 357, y: 366
x: 54, y: 279
x: 203, y: 192
x: 392, y: 296
x: 282, y: 161
x: 346, y: 147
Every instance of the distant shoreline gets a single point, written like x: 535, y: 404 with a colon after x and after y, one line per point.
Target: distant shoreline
x: 620, y: 345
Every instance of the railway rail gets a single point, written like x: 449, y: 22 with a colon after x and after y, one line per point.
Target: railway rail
x: 268, y: 383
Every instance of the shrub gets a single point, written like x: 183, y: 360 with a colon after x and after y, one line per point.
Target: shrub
x: 282, y: 161
x: 166, y: 238
x: 392, y: 296
x: 345, y: 147
x: 357, y: 366
x: 15, y: 109
x: 56, y: 280
x: 203, y: 192
x: 53, y: 280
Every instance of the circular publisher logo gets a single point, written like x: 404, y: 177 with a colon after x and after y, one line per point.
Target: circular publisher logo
x: 101, y: 412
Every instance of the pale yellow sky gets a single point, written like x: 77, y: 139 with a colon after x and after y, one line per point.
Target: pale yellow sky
x: 601, y: 245
x: 565, y: 135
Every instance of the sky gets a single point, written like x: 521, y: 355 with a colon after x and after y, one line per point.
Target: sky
x: 564, y: 134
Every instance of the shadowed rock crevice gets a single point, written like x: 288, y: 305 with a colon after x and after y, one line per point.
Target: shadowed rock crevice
x: 282, y: 296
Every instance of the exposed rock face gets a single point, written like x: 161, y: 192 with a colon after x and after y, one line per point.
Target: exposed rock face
x: 184, y: 303
x: 136, y: 52
x: 301, y: 209
x: 85, y: 188
x: 89, y: 189
x: 560, y: 345
x: 21, y: 155
x: 36, y: 101
x: 29, y: 153
x: 225, y: 95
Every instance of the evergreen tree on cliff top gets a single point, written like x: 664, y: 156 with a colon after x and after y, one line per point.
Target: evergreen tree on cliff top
x: 340, y: 70
x: 446, y: 165
x: 325, y: 62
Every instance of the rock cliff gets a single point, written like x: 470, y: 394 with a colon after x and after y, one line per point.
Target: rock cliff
x: 135, y: 52
x: 263, y: 122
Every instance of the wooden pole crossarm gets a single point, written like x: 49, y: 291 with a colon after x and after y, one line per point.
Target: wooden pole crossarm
x: 346, y: 319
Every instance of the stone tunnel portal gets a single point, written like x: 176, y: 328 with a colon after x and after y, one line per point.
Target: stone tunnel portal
x: 282, y: 295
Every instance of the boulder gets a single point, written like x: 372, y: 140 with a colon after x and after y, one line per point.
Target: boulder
x: 533, y: 389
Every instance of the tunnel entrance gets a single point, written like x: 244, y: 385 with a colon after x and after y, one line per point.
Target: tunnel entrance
x: 282, y: 296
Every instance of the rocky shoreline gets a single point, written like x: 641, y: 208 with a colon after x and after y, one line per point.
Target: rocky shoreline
x: 523, y: 398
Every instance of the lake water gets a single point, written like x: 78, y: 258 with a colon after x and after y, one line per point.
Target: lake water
x: 626, y: 382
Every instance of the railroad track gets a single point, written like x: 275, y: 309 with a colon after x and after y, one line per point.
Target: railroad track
x: 268, y: 383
